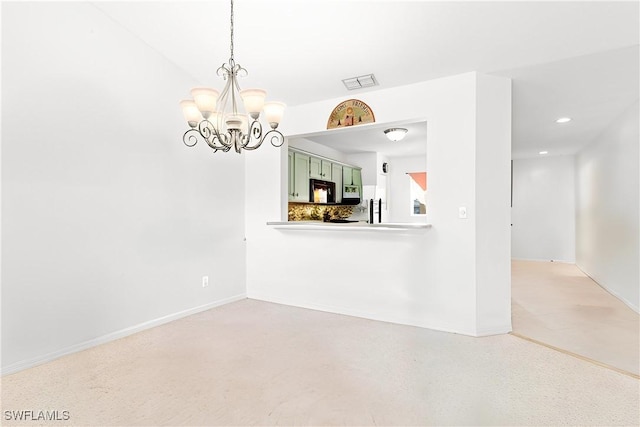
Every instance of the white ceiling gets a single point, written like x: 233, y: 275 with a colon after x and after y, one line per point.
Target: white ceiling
x: 577, y: 59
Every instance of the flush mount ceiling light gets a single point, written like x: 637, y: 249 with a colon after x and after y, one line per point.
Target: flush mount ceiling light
x: 214, y: 117
x: 360, y: 82
x: 563, y: 120
x: 543, y: 152
x: 395, y: 134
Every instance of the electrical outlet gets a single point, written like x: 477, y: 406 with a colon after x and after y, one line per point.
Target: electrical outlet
x: 462, y: 212
x: 205, y: 281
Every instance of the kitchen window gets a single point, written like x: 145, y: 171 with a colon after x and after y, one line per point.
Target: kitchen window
x: 418, y: 192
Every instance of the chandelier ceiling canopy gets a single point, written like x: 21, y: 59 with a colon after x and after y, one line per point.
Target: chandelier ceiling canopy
x: 214, y: 116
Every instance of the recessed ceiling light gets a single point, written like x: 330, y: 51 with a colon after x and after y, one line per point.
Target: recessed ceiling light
x: 544, y: 152
x: 563, y: 120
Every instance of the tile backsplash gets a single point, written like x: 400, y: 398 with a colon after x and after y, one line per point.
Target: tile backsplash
x: 315, y: 212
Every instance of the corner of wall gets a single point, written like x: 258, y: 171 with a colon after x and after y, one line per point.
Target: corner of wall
x: 492, y: 201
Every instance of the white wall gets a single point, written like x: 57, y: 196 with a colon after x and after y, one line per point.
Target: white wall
x: 369, y: 164
x: 543, y: 213
x: 400, y: 204
x: 428, y: 278
x: 108, y: 220
x: 607, y: 219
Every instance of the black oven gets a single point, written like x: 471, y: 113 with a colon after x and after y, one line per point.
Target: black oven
x: 322, y: 191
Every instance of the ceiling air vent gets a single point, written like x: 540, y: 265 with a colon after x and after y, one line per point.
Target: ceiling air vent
x: 360, y: 82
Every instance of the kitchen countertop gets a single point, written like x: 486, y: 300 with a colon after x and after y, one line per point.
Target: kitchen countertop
x: 360, y: 226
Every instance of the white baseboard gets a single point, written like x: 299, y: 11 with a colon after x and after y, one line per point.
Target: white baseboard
x: 629, y: 304
x: 39, y: 360
x: 543, y: 260
x: 455, y: 329
x: 497, y: 330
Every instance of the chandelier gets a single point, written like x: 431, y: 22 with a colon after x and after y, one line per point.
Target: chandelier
x: 214, y: 117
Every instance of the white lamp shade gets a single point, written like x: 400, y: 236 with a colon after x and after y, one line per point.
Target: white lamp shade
x: 205, y: 98
x: 191, y: 112
x: 273, y: 111
x: 253, y: 101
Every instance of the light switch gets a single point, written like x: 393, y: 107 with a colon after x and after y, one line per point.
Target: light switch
x: 462, y: 212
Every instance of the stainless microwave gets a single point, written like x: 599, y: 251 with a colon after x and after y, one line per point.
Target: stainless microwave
x: 351, y: 194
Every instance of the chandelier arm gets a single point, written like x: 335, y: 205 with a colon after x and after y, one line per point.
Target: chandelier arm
x: 191, y: 137
x: 235, y: 80
x: 255, y: 135
x: 212, y: 143
x: 253, y: 147
x: 225, y: 91
x: 238, y: 141
x: 275, y: 137
x: 212, y: 137
x: 239, y: 70
x: 216, y: 148
x: 238, y: 145
x: 234, y: 105
x: 224, y: 139
x: 223, y: 71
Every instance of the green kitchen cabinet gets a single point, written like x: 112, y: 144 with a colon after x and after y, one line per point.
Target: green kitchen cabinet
x: 319, y: 169
x: 291, y: 175
x: 347, y: 175
x: 336, y: 174
x: 357, y: 177
x: 298, y: 177
x: 351, y: 176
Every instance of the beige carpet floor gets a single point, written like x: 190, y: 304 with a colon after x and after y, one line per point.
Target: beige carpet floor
x: 557, y: 304
x: 257, y: 363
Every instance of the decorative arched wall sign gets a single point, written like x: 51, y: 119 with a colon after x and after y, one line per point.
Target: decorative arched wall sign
x: 351, y: 112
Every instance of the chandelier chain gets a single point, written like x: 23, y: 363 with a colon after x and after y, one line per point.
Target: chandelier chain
x: 232, y: 60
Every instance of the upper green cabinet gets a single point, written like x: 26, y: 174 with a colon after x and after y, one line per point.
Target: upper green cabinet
x: 357, y: 177
x: 319, y: 169
x: 347, y: 175
x: 336, y: 174
x: 352, y: 176
x: 298, y: 177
